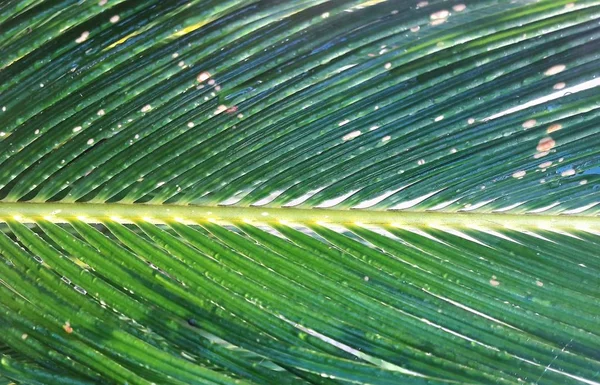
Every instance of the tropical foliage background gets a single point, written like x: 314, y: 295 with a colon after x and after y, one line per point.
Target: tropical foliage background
x: 299, y: 192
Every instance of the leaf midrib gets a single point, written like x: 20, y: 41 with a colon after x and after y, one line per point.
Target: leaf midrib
x: 27, y: 212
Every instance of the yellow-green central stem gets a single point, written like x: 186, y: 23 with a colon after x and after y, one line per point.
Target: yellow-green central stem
x: 92, y: 212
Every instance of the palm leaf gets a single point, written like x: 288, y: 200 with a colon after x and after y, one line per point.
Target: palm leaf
x: 299, y: 192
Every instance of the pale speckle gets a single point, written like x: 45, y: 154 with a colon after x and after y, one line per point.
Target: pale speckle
x: 240, y: 116
x: 545, y: 164
x: 264, y: 214
x: 67, y: 328
x: 83, y: 37
x: 583, y: 182
x: 102, y: 2
x: 203, y: 76
x: 376, y: 108
x: 77, y: 129
x: 519, y: 174
x: 146, y: 108
x: 211, y: 82
x: 100, y: 113
x: 175, y: 55
x: 181, y: 63
x: 137, y: 136
x: 386, y: 138
x: 41, y: 85
x: 114, y: 19
x: 325, y: 15
x: 546, y: 144
x: 553, y: 127
x: 440, y: 15
x: 540, y: 155
x: 438, y: 22
x: 559, y: 86
x: 373, y: 128
x: 2, y: 133
x: 190, y: 124
x: 453, y: 151
x: 351, y: 135
x: 569, y: 172
x: 539, y: 283
x: 529, y: 123
x: 220, y: 109
x: 90, y: 141
x: 416, y: 28
x: 3, y: 108
x: 555, y: 69
x: 422, y: 4
x: 160, y: 184
x: 388, y: 66
x: 494, y: 282
x: 37, y: 132
x: 459, y: 7
x: 345, y: 121
x: 569, y: 5
x: 471, y: 121
x: 421, y: 162
x: 560, y: 160
x: 366, y: 278
x: 439, y: 118
x: 24, y: 336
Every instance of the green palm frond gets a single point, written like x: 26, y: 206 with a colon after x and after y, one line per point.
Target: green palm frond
x: 299, y: 192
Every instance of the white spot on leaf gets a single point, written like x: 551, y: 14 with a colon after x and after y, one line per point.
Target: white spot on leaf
x: 529, y: 123
x: 546, y: 144
x: 83, y: 37
x: 555, y: 69
x: 220, y: 109
x: 351, y: 135
x: 553, y: 127
x: 203, y: 76
x: 439, y: 15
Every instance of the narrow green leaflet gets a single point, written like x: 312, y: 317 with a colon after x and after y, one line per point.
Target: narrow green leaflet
x: 299, y: 192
